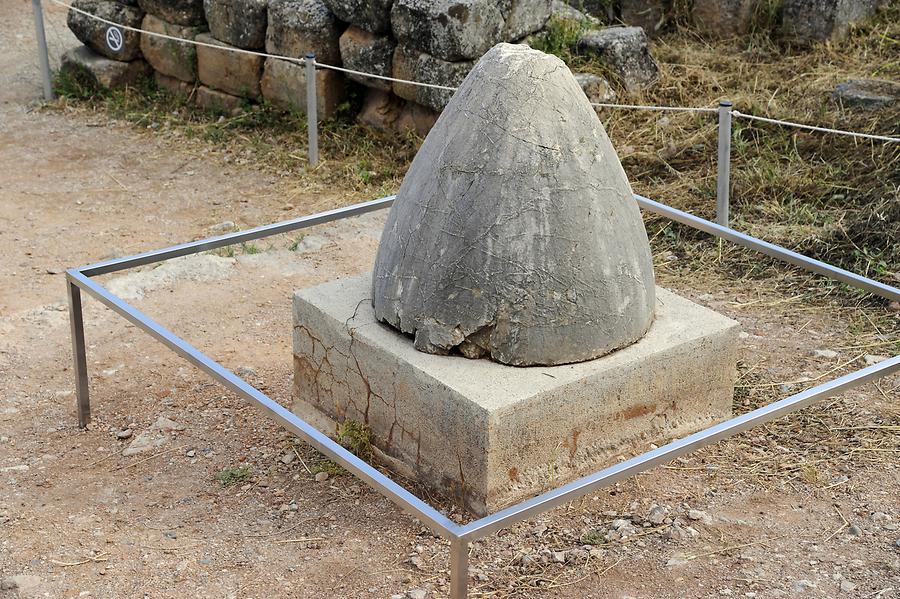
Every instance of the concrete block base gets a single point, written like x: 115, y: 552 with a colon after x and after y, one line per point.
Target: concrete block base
x: 489, y: 434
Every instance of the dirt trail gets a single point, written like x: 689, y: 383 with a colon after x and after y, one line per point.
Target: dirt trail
x: 76, y: 189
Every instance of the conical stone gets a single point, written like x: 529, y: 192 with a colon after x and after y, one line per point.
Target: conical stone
x: 515, y: 233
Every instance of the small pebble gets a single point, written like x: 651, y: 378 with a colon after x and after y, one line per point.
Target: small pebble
x: 417, y: 593
x: 880, y: 519
x: 288, y: 457
x: 125, y: 434
x: 847, y: 586
x: 825, y: 353
x: 321, y: 477
x: 854, y: 531
x: 658, y: 515
x: 699, y: 515
x: 871, y: 359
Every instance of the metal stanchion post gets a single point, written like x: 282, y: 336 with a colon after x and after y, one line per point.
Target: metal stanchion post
x: 723, y: 175
x: 311, y: 116
x: 42, y: 48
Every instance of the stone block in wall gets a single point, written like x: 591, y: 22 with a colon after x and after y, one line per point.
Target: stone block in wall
x: 412, y: 65
x: 650, y: 15
x: 240, y: 23
x: 180, y: 12
x: 89, y: 67
x: 371, y: 15
x: 297, y: 27
x: 625, y: 50
x: 451, y: 31
x: 124, y: 46
x: 385, y: 111
x: 364, y: 51
x: 171, y: 58
x: 234, y: 73
x: 284, y: 83
x: 804, y: 22
x: 173, y: 85
x: 724, y: 18
x: 218, y: 101
x: 523, y: 17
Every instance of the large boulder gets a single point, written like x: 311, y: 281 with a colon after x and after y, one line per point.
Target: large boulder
x: 724, y: 18
x: 649, y: 15
x: 180, y: 12
x: 804, y: 22
x: 515, y: 233
x: 625, y: 51
x: 523, y: 17
x: 567, y: 12
x: 90, y: 68
x: 451, y: 30
x: 297, y: 27
x: 412, y: 65
x: 235, y: 73
x: 366, y: 52
x: 166, y: 56
x: 240, y: 23
x: 117, y: 45
x: 866, y: 93
x: 371, y: 15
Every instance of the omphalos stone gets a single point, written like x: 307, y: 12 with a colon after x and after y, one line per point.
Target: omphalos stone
x: 515, y: 233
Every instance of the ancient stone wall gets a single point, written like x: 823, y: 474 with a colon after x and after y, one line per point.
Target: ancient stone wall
x: 431, y: 41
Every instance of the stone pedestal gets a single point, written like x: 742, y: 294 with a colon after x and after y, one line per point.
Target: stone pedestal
x: 490, y: 434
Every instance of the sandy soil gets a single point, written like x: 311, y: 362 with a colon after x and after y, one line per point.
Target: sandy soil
x: 808, y: 506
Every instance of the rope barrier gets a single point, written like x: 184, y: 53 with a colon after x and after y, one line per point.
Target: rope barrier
x: 448, y: 88
x: 813, y: 128
x: 661, y: 108
x: 384, y: 77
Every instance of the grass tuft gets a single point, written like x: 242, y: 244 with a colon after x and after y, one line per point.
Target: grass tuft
x: 233, y: 476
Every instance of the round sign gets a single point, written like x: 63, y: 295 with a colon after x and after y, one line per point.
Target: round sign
x: 114, y: 39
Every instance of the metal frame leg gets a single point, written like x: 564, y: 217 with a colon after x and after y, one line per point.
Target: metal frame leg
x: 459, y: 569
x: 82, y: 394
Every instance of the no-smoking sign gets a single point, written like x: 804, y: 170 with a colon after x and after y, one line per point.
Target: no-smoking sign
x: 114, y: 39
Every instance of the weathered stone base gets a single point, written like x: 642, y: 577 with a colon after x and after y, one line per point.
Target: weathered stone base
x: 489, y: 434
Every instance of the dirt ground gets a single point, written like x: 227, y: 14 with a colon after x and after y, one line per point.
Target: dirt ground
x: 806, y: 506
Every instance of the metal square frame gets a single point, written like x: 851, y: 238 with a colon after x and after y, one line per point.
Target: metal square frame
x: 460, y: 536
